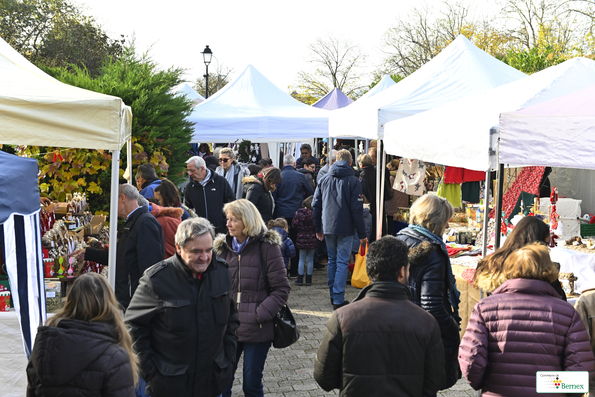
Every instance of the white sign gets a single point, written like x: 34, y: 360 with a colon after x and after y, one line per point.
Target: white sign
x: 562, y: 381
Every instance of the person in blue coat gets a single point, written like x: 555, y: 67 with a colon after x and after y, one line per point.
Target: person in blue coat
x: 338, y: 210
x: 146, y: 180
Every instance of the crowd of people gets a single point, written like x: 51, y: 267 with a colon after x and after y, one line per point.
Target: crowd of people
x: 199, y: 281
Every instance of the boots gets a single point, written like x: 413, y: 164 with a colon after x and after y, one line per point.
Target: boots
x: 308, y: 280
x: 300, y: 280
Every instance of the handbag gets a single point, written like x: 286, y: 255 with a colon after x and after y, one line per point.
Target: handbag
x: 286, y: 330
x: 359, y: 278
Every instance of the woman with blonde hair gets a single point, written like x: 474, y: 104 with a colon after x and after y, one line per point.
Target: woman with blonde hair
x: 253, y: 254
x: 488, y: 275
x: 85, y: 348
x: 431, y: 280
x: 522, y: 328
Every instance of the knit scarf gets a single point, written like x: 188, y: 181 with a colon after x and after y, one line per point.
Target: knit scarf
x: 229, y: 175
x: 454, y: 292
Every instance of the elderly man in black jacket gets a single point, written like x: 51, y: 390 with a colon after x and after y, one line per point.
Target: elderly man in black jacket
x: 207, y: 193
x: 183, y: 319
x: 140, y: 244
x: 382, y: 344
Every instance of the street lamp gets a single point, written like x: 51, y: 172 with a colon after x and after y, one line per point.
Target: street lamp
x: 206, y: 55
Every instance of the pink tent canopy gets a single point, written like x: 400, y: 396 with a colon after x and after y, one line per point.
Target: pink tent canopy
x: 558, y: 133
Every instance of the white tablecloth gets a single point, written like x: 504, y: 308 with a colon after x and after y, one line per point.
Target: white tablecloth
x: 13, y: 379
x: 579, y: 263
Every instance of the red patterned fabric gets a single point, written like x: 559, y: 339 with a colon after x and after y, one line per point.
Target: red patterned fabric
x: 527, y: 181
x: 460, y: 175
x: 468, y: 275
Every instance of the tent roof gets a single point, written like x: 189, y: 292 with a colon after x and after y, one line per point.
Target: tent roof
x: 252, y: 107
x: 383, y: 84
x: 558, y: 133
x: 462, y: 127
x: 19, y: 193
x: 459, y: 71
x: 36, y: 109
x: 333, y: 100
x: 185, y: 89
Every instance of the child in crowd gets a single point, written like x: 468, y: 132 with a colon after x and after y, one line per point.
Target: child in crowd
x: 287, y: 249
x: 306, y: 240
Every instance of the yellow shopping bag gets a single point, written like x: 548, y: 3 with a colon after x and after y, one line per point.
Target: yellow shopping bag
x: 360, y: 279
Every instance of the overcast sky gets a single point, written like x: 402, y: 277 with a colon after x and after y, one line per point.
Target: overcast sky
x: 271, y: 35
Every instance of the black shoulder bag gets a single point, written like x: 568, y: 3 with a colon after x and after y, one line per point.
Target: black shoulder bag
x: 286, y: 330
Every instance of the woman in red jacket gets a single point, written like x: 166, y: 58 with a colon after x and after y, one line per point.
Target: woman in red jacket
x: 522, y: 328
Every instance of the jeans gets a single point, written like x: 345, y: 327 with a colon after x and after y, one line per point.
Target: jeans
x: 255, y: 354
x: 140, y: 390
x: 306, y: 254
x: 339, y: 248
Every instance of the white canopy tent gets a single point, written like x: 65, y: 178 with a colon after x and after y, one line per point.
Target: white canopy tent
x: 36, y: 109
x: 185, y: 89
x: 459, y: 71
x: 559, y: 133
x: 460, y: 131
x: 383, y: 84
x: 251, y: 107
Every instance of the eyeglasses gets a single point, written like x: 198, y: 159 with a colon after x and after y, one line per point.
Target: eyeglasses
x: 222, y: 160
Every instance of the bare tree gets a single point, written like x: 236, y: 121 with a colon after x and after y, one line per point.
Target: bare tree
x: 419, y: 36
x: 337, y: 64
x: 217, y: 80
x: 563, y: 25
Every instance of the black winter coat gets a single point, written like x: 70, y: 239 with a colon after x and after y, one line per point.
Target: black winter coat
x: 184, y: 329
x: 381, y: 344
x: 79, y: 359
x: 428, y: 281
x: 140, y: 246
x: 208, y: 201
x: 291, y: 192
x: 255, y: 192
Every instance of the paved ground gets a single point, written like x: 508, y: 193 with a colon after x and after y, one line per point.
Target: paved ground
x: 289, y: 372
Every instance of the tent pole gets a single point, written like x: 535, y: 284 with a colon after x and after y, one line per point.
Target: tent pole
x: 356, y: 151
x: 379, y: 187
x: 498, y: 217
x: 113, y: 218
x: 486, y: 206
x: 129, y: 159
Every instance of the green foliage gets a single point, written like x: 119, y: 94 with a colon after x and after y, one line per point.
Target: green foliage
x: 304, y: 98
x: 160, y: 131
x: 55, y: 33
x: 533, y: 60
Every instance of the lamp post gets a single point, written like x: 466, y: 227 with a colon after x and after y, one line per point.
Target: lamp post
x: 206, y: 55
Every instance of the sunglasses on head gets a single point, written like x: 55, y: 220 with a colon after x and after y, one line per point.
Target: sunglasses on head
x: 223, y: 160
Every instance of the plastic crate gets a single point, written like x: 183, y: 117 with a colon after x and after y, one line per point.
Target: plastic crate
x: 587, y: 230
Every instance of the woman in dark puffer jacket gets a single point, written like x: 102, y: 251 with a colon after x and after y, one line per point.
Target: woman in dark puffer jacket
x: 248, y: 248
x: 85, y: 349
x: 258, y: 191
x: 431, y: 280
x: 522, y: 328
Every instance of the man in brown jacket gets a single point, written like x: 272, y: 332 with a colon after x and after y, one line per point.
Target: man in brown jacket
x: 382, y: 344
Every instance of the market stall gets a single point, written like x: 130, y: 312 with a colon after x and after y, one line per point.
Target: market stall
x: 36, y: 109
x: 459, y: 71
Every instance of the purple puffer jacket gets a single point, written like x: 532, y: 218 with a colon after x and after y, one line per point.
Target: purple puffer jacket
x: 523, y: 327
x: 257, y: 308
x: 303, y: 222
